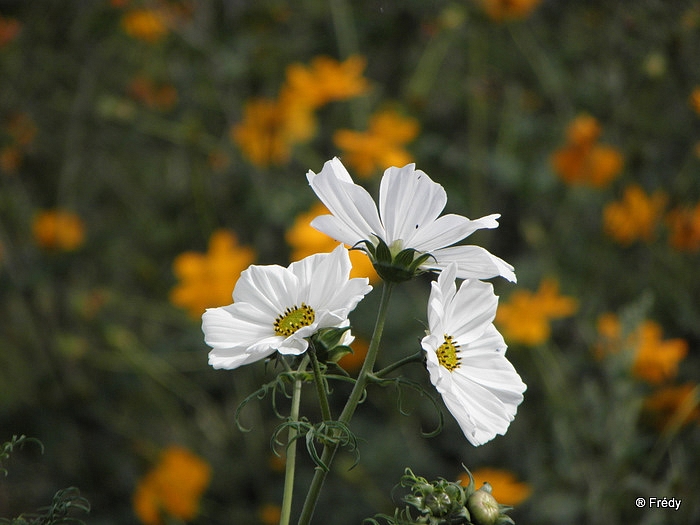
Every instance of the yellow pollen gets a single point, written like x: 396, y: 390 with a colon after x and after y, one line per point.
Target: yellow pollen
x: 294, y: 318
x: 447, y: 354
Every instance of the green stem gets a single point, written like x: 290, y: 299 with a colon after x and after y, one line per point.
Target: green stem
x: 415, y: 358
x: 320, y: 384
x: 291, y: 451
x: 350, y: 407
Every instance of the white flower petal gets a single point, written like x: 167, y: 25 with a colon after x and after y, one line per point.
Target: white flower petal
x: 448, y: 230
x: 270, y: 288
x: 348, y: 202
x: 483, y: 391
x: 230, y: 358
x: 408, y: 201
x: 472, y: 262
x: 235, y: 325
x: 244, y: 331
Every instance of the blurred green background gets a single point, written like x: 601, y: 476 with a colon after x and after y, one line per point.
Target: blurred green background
x: 131, y: 131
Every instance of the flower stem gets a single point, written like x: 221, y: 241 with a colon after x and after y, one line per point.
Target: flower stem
x: 291, y: 451
x: 350, y: 407
x: 320, y: 384
x: 414, y: 358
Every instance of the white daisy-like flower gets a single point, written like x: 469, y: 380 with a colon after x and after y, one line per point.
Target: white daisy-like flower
x: 410, y: 204
x: 275, y: 309
x: 466, y: 357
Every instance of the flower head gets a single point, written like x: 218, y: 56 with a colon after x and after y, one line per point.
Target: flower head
x: 526, y: 317
x: 501, y: 10
x: 635, y: 216
x: 405, y: 234
x: 174, y: 487
x: 381, y: 146
x: 58, y: 230
x: 684, y: 226
x: 583, y: 160
x: 145, y: 24
x: 466, y: 357
x: 206, y: 279
x: 655, y: 360
x: 275, y: 308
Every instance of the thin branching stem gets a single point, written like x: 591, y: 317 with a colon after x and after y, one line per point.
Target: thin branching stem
x: 351, y: 405
x: 320, y: 384
x: 290, y: 464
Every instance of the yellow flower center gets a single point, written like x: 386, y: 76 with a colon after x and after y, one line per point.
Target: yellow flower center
x: 293, y: 318
x: 447, y: 354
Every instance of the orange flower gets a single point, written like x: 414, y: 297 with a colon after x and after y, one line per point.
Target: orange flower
x: 582, y: 160
x: 145, y: 24
x: 173, y: 487
x: 381, y: 145
x: 207, y: 280
x: 500, y: 10
x: 694, y: 100
x: 270, y: 514
x: 685, y: 228
x: 305, y: 240
x: 58, y: 230
x: 506, y: 488
x: 271, y: 127
x: 673, y: 405
x: 654, y: 360
x: 635, y: 216
x: 161, y: 97
x: 9, y: 29
x: 327, y: 80
x: 526, y: 317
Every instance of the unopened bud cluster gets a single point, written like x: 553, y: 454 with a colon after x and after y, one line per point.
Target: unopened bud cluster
x: 443, y: 502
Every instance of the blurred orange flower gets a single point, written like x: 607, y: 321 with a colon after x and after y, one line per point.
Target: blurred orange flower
x: 305, y: 240
x: 271, y: 127
x: 654, y: 360
x: 270, y: 514
x: 635, y: 216
x: 381, y: 145
x: 506, y: 488
x: 684, y: 224
x: 500, y: 10
x: 144, y: 24
x: 526, y: 317
x: 173, y: 487
x: 9, y: 29
x: 327, y: 80
x: 582, y: 160
x: 58, y: 230
x: 207, y: 280
x: 161, y: 97
x: 694, y: 100
x: 21, y: 131
x: 674, y: 405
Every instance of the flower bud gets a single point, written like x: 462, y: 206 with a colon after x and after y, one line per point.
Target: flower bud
x: 483, y: 507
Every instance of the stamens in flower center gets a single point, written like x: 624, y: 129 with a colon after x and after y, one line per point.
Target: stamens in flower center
x: 447, y: 354
x: 293, y: 318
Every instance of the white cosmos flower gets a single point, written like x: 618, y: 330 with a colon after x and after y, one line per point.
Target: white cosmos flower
x: 410, y: 204
x: 275, y: 308
x: 466, y: 357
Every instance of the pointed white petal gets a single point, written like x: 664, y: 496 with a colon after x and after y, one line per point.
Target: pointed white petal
x: 408, y: 201
x: 448, y: 230
x: 350, y: 203
x: 235, y: 325
x: 270, y: 288
x: 472, y: 262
